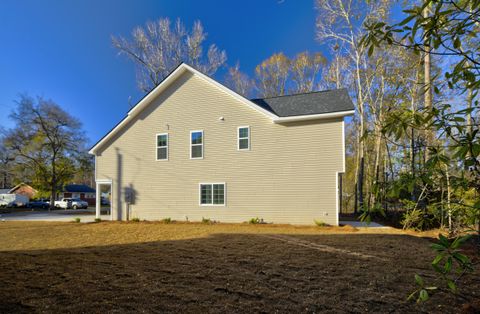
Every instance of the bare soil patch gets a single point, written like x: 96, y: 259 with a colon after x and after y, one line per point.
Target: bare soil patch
x: 154, y: 267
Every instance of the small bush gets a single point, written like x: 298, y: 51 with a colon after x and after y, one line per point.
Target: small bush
x: 206, y: 221
x: 167, y: 220
x: 98, y: 219
x: 255, y: 221
x: 320, y: 223
x: 77, y: 219
x: 136, y: 219
x: 419, y: 220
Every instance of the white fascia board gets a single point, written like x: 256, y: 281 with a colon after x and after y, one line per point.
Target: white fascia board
x: 319, y: 116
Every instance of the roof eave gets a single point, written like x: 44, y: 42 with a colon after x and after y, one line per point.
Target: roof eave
x: 320, y: 116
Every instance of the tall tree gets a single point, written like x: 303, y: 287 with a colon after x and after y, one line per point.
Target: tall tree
x: 450, y: 31
x: 239, y: 81
x: 428, y: 93
x: 272, y: 75
x: 45, y: 140
x: 6, y: 165
x: 305, y: 69
x: 340, y: 22
x: 84, y: 169
x: 159, y: 47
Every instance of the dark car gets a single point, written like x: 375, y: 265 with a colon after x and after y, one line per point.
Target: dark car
x: 38, y: 204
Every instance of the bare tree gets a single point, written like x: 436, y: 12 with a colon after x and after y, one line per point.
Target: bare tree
x: 45, y: 141
x: 336, y: 73
x: 239, y: 81
x: 272, y: 75
x: 305, y: 68
x: 159, y: 47
x: 340, y: 22
x: 6, y: 160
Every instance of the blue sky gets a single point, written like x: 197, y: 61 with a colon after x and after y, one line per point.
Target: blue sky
x: 62, y: 49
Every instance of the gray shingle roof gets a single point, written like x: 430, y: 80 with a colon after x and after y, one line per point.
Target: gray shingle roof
x: 308, y: 103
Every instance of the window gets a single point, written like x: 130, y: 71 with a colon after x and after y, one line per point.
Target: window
x: 196, y: 144
x: 244, y: 138
x: 212, y: 194
x: 162, y: 146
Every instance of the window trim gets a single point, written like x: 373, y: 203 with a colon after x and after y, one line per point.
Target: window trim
x: 157, y: 147
x: 248, y: 138
x: 212, y: 183
x: 191, y: 145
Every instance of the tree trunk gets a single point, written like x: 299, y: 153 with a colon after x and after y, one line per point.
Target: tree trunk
x: 427, y: 88
x: 53, y: 188
x: 449, y: 207
x: 360, y: 102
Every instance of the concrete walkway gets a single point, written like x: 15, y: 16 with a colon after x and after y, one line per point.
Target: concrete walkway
x: 362, y: 224
x: 55, y: 215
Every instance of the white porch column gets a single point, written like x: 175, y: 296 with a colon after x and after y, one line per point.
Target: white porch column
x: 98, y: 203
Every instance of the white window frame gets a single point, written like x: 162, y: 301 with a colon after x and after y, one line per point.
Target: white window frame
x: 212, y: 183
x: 191, y: 145
x: 239, y: 138
x: 157, y: 147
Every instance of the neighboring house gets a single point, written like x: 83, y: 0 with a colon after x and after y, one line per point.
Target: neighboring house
x: 193, y: 148
x: 21, y: 189
x: 81, y: 191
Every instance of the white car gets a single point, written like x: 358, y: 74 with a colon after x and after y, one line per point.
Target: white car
x: 68, y: 203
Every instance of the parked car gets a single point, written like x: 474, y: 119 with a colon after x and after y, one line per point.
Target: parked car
x: 104, y: 201
x: 38, y: 204
x: 13, y: 200
x: 68, y: 203
x: 78, y: 203
x: 3, y: 203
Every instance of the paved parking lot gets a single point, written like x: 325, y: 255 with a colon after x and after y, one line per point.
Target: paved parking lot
x: 86, y: 215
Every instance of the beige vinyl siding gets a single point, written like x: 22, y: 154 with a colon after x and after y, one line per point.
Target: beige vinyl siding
x: 287, y: 176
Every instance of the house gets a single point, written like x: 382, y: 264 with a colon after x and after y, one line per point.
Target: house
x: 21, y: 189
x: 81, y: 191
x: 193, y: 148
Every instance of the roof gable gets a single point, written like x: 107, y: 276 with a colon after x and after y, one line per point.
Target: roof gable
x: 172, y: 77
x: 267, y: 106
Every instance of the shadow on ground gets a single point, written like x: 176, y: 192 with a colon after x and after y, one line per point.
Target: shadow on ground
x: 227, y: 273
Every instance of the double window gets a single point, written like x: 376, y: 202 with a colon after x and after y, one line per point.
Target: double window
x: 197, y: 141
x: 196, y: 144
x: 162, y: 146
x: 212, y: 194
x: 243, y: 138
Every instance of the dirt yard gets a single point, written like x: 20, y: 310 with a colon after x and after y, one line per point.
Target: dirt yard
x: 154, y: 267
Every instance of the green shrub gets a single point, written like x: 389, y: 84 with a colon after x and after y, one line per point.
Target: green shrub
x: 77, y: 219
x: 419, y: 220
x: 98, y: 219
x: 167, y: 220
x: 320, y: 223
x: 255, y: 221
x: 136, y: 219
x: 206, y: 221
